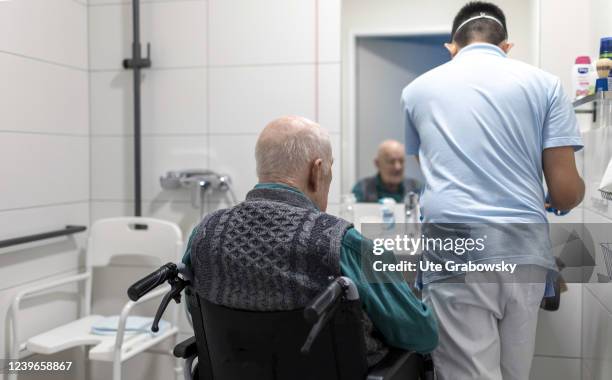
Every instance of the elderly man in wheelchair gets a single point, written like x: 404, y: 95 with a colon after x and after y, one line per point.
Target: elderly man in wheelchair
x: 275, y: 286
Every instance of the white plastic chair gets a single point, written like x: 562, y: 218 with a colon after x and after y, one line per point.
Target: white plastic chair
x: 134, y: 240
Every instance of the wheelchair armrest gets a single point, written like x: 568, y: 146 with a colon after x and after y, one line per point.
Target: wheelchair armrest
x: 186, y: 348
x: 398, y: 364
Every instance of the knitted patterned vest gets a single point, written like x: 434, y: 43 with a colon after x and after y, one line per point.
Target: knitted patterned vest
x: 274, y: 251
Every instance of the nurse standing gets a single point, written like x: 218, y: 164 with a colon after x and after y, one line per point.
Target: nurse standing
x: 485, y: 128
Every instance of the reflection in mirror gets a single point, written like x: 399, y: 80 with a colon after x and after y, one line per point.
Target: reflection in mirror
x: 383, y: 67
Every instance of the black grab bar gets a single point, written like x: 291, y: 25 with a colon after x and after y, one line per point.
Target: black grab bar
x: 69, y: 230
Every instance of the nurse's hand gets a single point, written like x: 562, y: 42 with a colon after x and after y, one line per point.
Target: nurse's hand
x: 551, y: 209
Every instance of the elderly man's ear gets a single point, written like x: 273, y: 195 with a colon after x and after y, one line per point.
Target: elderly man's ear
x: 315, y: 177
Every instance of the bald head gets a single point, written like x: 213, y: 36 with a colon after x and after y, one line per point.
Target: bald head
x: 390, y: 147
x: 287, y: 146
x: 296, y: 151
x: 390, y: 163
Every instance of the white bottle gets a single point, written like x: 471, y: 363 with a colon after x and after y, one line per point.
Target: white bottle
x: 387, y: 212
x: 583, y: 77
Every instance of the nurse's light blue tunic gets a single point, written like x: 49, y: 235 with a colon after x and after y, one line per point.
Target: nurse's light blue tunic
x: 479, y: 125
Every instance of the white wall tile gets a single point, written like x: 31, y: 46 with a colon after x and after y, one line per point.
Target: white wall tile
x: 112, y: 165
x: 235, y: 156
x: 112, y: 172
x: 599, y: 23
x: 255, y: 32
x: 334, y: 190
x: 329, y: 30
x: 329, y: 97
x: 111, y: 99
x: 559, y: 332
x: 176, y: 31
x: 173, y: 102
x: 109, y: 36
x: 555, y: 368
x: 245, y: 99
x: 555, y: 16
x: 48, y: 30
x: 42, y: 169
x: 58, y: 106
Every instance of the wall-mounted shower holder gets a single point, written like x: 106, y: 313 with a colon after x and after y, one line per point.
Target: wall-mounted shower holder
x: 201, y: 182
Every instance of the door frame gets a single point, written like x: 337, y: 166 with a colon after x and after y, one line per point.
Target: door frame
x: 349, y: 132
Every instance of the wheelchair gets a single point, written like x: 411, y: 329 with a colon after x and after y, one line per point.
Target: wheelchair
x: 322, y: 341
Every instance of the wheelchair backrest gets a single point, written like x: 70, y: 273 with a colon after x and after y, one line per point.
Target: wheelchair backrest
x: 239, y: 344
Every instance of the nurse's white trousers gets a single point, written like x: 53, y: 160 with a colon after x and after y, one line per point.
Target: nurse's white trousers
x: 487, y: 327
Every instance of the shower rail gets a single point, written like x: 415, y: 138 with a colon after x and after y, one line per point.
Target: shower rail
x: 137, y: 63
x: 68, y: 230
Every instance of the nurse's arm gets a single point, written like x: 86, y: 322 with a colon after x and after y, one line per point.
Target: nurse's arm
x: 565, y: 186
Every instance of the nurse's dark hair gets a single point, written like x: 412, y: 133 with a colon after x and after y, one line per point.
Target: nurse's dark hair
x: 481, y: 30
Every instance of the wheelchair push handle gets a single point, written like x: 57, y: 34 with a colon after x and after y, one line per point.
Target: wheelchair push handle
x: 323, y: 302
x: 321, y: 309
x: 152, y: 280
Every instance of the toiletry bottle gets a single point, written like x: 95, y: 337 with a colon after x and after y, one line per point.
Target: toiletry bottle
x: 605, y: 47
x: 583, y: 76
x: 387, y: 206
x: 603, y: 66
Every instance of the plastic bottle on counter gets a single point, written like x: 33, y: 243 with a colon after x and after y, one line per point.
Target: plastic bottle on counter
x: 583, y: 77
x: 605, y: 47
x: 387, y: 206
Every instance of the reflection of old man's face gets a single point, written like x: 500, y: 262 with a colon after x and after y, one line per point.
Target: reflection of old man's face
x: 390, y: 162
